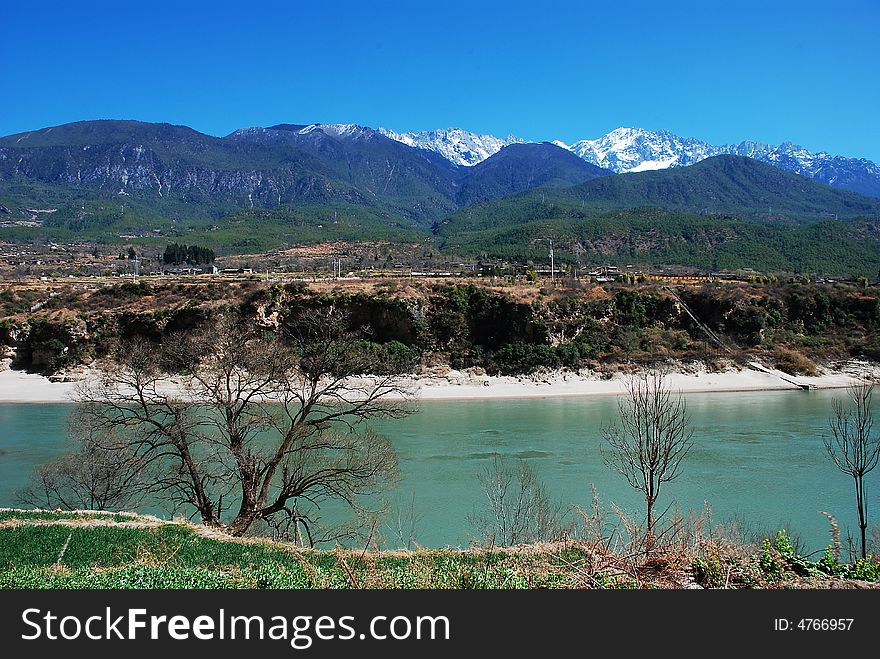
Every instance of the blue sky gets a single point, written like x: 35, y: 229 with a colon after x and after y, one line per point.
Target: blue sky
x: 719, y: 71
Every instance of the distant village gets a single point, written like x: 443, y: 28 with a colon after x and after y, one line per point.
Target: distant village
x: 335, y: 261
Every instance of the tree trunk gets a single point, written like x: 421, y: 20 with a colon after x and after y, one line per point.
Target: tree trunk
x: 209, y: 515
x: 243, y: 520
x: 860, y: 504
x: 210, y: 519
x: 649, y: 531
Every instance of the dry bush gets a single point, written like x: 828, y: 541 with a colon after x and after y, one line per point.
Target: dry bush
x: 518, y: 509
x: 793, y: 363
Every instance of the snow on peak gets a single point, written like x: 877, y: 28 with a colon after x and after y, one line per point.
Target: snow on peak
x: 456, y: 145
x: 283, y: 133
x: 342, y: 130
x: 624, y: 149
x: 637, y: 149
x: 248, y: 132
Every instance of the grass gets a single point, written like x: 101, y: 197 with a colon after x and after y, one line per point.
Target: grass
x: 44, y: 515
x: 180, y: 556
x: 41, y: 549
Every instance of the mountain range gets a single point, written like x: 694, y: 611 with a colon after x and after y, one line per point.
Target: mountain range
x: 636, y: 149
x: 717, y: 187
x: 287, y: 184
x: 183, y: 172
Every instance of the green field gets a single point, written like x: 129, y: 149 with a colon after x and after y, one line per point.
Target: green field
x: 83, y: 550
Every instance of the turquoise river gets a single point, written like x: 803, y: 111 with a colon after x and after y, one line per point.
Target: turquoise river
x: 758, y: 458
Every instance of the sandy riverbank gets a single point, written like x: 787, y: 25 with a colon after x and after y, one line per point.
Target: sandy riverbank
x: 20, y: 387
x: 457, y: 385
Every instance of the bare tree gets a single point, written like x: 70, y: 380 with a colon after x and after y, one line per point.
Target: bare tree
x: 272, y: 421
x: 519, y: 509
x: 852, y: 445
x: 100, y: 472
x: 133, y: 399
x: 651, y: 440
x: 407, y: 523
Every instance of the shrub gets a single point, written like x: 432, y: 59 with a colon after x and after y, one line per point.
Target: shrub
x: 778, y: 557
x: 793, y: 363
x: 396, y: 357
x: 517, y: 358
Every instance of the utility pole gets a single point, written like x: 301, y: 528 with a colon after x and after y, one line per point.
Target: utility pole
x: 552, y: 261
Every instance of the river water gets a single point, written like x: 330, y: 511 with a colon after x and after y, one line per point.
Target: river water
x: 758, y: 457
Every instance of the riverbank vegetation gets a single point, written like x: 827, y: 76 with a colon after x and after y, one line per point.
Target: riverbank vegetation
x: 499, y: 327
x: 522, y: 539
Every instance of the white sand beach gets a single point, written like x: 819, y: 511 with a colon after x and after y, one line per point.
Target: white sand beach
x: 21, y: 387
x: 461, y: 385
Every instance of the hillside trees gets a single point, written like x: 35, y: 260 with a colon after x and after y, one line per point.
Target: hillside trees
x: 191, y: 254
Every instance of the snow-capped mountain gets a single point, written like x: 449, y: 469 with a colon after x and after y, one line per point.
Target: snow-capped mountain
x: 456, y: 145
x: 636, y: 150
x: 856, y: 174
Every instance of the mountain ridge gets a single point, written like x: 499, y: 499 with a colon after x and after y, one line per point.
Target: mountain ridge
x: 458, y: 146
x: 728, y: 183
x: 710, y: 215
x: 521, y: 166
x: 624, y: 150
x: 720, y: 186
x: 183, y: 173
x: 621, y: 150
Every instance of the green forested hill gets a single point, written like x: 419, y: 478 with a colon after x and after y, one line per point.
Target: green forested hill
x: 650, y: 236
x: 734, y: 185
x: 722, y: 213
x: 731, y: 186
x: 183, y: 175
x: 521, y: 167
